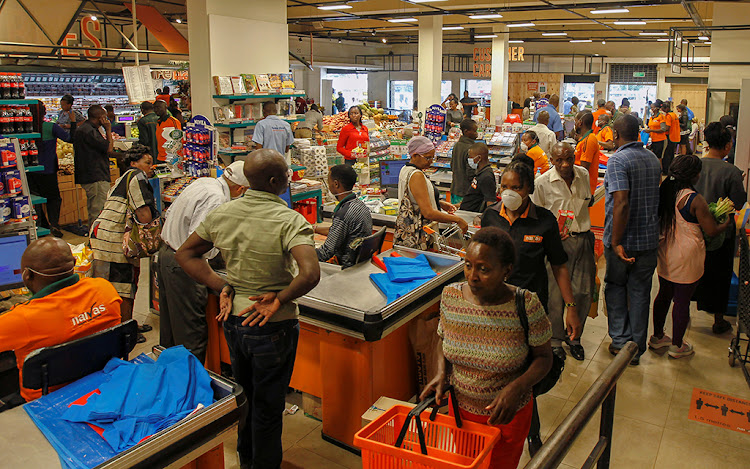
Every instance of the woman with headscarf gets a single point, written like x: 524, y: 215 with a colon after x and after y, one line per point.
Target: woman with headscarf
x: 419, y: 200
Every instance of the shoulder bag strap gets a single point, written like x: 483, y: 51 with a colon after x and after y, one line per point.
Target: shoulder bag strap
x: 521, y: 311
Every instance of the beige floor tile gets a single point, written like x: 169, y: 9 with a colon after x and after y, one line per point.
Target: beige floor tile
x: 549, y: 408
x: 314, y: 442
x: 678, y: 420
x: 679, y: 450
x: 297, y: 427
x: 709, y: 369
x: 299, y: 458
x: 569, y: 379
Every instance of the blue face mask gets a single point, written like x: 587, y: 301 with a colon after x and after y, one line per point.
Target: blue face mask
x: 472, y: 164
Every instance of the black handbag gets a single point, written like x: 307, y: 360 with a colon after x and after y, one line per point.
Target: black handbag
x: 558, y: 364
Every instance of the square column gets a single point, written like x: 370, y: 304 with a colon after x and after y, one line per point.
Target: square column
x: 430, y: 61
x: 499, y: 97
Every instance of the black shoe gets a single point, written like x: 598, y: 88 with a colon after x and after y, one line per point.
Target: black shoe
x: 635, y: 361
x: 141, y: 339
x: 613, y: 350
x: 56, y: 232
x: 560, y: 352
x: 535, y: 444
x: 721, y: 327
x: 576, y: 351
x: 145, y: 328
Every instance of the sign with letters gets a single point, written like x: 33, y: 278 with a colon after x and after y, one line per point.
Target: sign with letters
x: 483, y: 60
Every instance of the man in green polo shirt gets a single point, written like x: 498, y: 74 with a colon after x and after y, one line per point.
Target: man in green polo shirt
x: 260, y: 238
x: 147, y: 128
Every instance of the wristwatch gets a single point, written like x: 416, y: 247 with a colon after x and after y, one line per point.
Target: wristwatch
x: 570, y: 305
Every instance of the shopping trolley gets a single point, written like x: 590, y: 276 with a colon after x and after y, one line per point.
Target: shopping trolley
x: 450, y: 241
x: 400, y: 439
x: 743, y: 310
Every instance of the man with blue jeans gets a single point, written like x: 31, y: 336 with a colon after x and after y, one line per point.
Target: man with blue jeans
x: 260, y: 238
x: 631, y: 236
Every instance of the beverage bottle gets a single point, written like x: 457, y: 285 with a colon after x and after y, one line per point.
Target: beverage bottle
x: 24, y: 152
x: 28, y: 120
x: 4, y: 86
x: 18, y: 117
x: 5, y: 125
x: 21, y: 86
x: 33, y: 153
x: 13, y: 86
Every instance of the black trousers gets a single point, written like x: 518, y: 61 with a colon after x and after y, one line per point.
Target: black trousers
x: 182, y: 307
x: 669, y: 151
x: 45, y: 185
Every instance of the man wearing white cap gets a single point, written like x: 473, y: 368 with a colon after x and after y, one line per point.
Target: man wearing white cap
x: 182, y: 301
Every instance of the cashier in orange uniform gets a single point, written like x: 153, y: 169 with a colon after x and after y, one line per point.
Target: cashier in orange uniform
x: 604, y: 136
x: 535, y: 152
x: 165, y: 121
x: 587, y: 150
x: 62, y: 308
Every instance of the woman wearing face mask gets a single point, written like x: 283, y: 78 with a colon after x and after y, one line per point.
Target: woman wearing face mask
x: 536, y: 234
x: 657, y: 127
x: 419, y: 200
x: 483, y: 187
x: 353, y: 135
x: 535, y: 152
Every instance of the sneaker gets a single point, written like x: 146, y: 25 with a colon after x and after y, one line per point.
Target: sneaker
x: 678, y: 352
x: 656, y: 344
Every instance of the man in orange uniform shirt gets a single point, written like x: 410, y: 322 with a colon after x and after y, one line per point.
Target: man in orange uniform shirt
x: 587, y: 150
x: 601, y: 109
x: 165, y: 120
x: 673, y: 122
x: 604, y: 136
x: 62, y: 308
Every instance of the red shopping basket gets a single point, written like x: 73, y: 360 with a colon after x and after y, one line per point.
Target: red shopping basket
x: 400, y: 439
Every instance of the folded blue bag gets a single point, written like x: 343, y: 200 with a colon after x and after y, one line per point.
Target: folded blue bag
x: 406, y: 269
x: 395, y: 290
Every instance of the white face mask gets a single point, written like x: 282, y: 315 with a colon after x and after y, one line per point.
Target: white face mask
x: 472, y: 164
x: 524, y: 147
x: 340, y: 193
x: 511, y: 199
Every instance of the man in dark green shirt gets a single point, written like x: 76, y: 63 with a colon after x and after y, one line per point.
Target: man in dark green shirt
x: 147, y: 128
x: 462, y: 174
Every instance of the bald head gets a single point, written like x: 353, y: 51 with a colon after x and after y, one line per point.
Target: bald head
x: 266, y: 170
x: 543, y: 117
x: 269, y: 109
x: 625, y: 130
x: 45, y: 261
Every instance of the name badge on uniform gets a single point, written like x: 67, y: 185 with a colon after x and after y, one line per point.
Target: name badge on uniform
x: 533, y: 239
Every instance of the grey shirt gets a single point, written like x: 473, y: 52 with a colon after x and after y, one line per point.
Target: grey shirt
x: 721, y: 179
x: 462, y: 173
x: 312, y: 118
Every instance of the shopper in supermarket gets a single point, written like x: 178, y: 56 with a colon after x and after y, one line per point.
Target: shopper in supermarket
x: 340, y: 102
x: 565, y: 187
x: 69, y: 118
x: 273, y: 132
x: 354, y: 138
x: 419, y: 200
x: 469, y: 104
x: 91, y: 157
x: 351, y: 222
x: 462, y: 173
x: 731, y: 124
x: 182, y: 300
x: 313, y: 122
x: 163, y: 95
x: 690, y: 113
x: 257, y: 304
x: 683, y: 219
x: 530, y: 141
x: 165, y: 122
x: 483, y: 186
x: 631, y: 236
x: 604, y: 136
x: 547, y: 138
x: 612, y: 110
x: 453, y: 116
x: 599, y: 111
x: 673, y: 136
x: 555, y: 122
x: 587, y: 149
x: 132, y: 194
x: 118, y: 129
x: 59, y: 299
x: 624, y: 107
x: 447, y: 101
x: 44, y: 182
x: 483, y: 349
x: 536, y: 236
x: 657, y: 129
x: 719, y: 179
x: 685, y: 129
x: 174, y: 109
x: 147, y: 126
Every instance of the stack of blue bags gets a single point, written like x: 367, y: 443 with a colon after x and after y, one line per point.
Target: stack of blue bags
x: 403, y: 275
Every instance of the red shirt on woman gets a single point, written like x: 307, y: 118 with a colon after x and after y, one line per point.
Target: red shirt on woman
x: 350, y: 138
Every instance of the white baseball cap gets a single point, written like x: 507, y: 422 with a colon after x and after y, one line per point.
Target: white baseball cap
x: 235, y: 173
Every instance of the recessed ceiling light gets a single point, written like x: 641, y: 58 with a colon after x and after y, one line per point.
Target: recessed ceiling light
x: 707, y: 42
x: 703, y: 38
x: 425, y: 1
x: 485, y: 36
x: 384, y: 40
x: 580, y: 40
x: 452, y: 28
x: 178, y: 20
x: 93, y: 17
x: 334, y: 7
x: 596, y: 55
x: 554, y: 34
x: 520, y: 25
x: 486, y: 17
x: 628, y: 23
x: 515, y: 41
x: 402, y: 20
x: 666, y: 39
x: 604, y: 42
x: 654, y: 34
x: 610, y: 10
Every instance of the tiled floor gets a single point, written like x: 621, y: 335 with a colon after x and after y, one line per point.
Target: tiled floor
x: 651, y: 426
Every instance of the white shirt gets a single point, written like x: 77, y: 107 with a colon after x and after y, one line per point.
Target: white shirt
x: 547, y: 138
x: 191, y: 207
x: 552, y: 193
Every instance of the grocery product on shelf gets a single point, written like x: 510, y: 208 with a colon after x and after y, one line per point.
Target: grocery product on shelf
x: 176, y: 187
x: 434, y: 123
x: 12, y: 86
x: 335, y: 122
x: 16, y: 120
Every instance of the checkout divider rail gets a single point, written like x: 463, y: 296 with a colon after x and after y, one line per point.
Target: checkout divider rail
x: 601, y: 393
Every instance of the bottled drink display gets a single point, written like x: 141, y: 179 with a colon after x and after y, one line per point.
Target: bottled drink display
x: 12, y: 86
x: 16, y: 120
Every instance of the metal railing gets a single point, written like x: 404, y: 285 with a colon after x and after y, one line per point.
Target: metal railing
x: 601, y: 393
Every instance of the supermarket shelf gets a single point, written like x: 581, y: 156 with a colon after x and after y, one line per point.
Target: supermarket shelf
x: 298, y: 167
x: 34, y: 169
x: 5, y: 102
x: 239, y: 125
x: 42, y: 232
x: 24, y: 136
x: 36, y: 200
x: 234, y: 152
x: 238, y: 97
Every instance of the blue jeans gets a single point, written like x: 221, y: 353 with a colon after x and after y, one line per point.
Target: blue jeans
x: 627, y: 291
x: 262, y: 363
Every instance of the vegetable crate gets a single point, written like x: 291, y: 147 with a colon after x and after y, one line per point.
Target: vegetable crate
x: 446, y: 446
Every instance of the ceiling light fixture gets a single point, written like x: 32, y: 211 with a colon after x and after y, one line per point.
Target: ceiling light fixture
x: 487, y: 16
x: 334, y: 7
x: 580, y: 40
x: 339, y: 41
x: 520, y: 25
x: 604, y: 43
x: 515, y: 41
x: 93, y: 17
x: 609, y: 10
x: 485, y: 36
x: 402, y: 20
x: 654, y: 34
x: 452, y: 28
x: 425, y: 1
x: 178, y: 20
x: 554, y: 34
x: 707, y: 42
x: 373, y: 32
x: 703, y: 38
x: 664, y: 40
x: 384, y: 40
x: 629, y: 23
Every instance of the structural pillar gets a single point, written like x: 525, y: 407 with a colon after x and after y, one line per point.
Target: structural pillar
x: 430, y: 61
x: 230, y: 37
x: 499, y: 97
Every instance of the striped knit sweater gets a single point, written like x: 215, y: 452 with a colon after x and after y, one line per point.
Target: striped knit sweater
x: 487, y: 346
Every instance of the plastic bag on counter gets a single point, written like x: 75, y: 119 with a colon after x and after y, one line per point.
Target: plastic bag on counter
x: 84, y: 259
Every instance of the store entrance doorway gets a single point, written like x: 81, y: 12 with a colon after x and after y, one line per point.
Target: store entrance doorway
x: 353, y: 87
x: 638, y: 95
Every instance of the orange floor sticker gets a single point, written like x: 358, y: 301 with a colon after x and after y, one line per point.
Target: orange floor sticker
x: 720, y: 410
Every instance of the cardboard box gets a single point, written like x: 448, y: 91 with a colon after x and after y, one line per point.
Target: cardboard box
x: 312, y: 406
x: 65, y: 181
x: 380, y: 407
x: 73, y: 206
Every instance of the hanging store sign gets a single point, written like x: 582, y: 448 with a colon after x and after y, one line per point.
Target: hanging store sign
x: 172, y: 75
x: 483, y: 60
x: 91, y: 30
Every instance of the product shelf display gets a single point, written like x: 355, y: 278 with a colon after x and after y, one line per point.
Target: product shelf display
x: 17, y: 214
x: 434, y: 123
